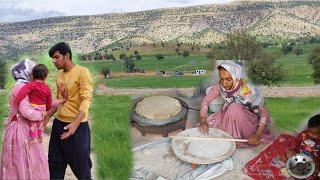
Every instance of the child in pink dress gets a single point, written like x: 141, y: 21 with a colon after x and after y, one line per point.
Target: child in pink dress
x: 40, y: 99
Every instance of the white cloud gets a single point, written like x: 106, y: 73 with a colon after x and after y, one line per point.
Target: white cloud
x: 76, y: 7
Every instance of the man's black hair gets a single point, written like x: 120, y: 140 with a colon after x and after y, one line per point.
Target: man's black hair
x: 40, y: 71
x: 314, y: 121
x: 63, y: 49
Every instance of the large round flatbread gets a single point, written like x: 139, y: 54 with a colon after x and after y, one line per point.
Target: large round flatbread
x: 209, y: 148
x: 202, y: 151
x: 158, y: 107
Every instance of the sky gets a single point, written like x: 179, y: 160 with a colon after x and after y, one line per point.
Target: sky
x: 22, y: 10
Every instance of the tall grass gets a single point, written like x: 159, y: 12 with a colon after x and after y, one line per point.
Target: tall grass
x: 111, y: 136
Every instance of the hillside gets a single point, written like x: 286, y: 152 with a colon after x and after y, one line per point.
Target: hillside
x: 196, y: 24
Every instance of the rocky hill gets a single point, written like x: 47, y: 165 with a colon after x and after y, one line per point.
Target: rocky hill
x: 196, y: 24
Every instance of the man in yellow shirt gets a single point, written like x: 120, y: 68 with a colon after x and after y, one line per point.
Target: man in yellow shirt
x: 70, y: 135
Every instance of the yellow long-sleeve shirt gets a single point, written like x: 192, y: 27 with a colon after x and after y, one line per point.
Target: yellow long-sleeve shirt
x: 78, y: 82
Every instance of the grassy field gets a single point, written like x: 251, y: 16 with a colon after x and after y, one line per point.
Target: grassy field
x: 297, y: 69
x: 155, y: 82
x: 111, y: 136
x: 288, y: 113
x: 150, y: 63
x: 3, y: 109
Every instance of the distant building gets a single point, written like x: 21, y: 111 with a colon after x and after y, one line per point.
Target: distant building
x: 199, y: 72
x: 178, y: 73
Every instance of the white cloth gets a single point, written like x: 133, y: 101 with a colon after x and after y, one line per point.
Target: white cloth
x: 22, y: 70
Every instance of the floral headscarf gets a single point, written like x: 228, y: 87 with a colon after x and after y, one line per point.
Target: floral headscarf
x: 21, y: 72
x: 235, y: 70
x: 243, y: 93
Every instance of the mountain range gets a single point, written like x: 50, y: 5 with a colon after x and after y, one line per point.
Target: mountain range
x: 202, y: 24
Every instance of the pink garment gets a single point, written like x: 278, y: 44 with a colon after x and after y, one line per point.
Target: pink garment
x: 36, y: 127
x: 234, y: 119
x: 21, y: 160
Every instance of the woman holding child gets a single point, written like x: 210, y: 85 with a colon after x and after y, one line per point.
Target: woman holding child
x: 21, y: 159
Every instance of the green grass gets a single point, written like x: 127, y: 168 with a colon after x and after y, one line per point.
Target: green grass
x: 155, y: 82
x: 111, y: 136
x: 3, y: 109
x: 289, y: 112
x: 297, y: 69
x: 150, y: 63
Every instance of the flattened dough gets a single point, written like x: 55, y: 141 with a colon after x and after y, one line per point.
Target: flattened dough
x: 158, y: 107
x: 209, y: 148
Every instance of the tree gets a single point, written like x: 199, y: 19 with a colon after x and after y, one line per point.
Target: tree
x: 314, y: 60
x: 135, y: 52
x: 129, y: 64
x: 138, y: 57
x: 177, y: 50
x: 3, y: 73
x: 111, y: 56
x: 105, y: 71
x: 286, y: 48
x: 297, y: 51
x: 242, y: 46
x: 162, y: 44
x: 185, y: 53
x: 97, y: 57
x: 159, y: 57
x: 264, y: 70
x: 122, y: 56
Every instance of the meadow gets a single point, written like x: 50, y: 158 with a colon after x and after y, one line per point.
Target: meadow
x: 111, y: 141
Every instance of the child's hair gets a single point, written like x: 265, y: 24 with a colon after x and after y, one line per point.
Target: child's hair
x: 40, y: 72
x: 314, y: 122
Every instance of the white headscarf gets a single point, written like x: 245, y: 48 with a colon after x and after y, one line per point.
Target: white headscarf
x: 21, y: 72
x: 252, y: 101
x: 235, y: 70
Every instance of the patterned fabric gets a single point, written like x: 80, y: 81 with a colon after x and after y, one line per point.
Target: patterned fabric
x: 235, y: 70
x: 303, y: 143
x: 36, y: 127
x: 22, y: 70
x: 244, y: 93
x: 268, y: 163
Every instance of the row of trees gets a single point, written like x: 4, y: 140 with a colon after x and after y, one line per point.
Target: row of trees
x: 286, y: 48
x: 96, y: 57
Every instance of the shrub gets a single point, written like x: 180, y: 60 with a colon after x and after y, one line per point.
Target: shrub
x: 185, y: 53
x: 105, y: 71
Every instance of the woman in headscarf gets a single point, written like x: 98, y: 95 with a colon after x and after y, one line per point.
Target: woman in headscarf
x: 243, y: 114
x: 20, y: 159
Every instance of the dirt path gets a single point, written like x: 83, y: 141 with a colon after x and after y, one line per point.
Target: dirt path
x: 266, y: 91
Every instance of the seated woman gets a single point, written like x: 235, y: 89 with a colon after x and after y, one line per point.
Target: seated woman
x: 243, y: 114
